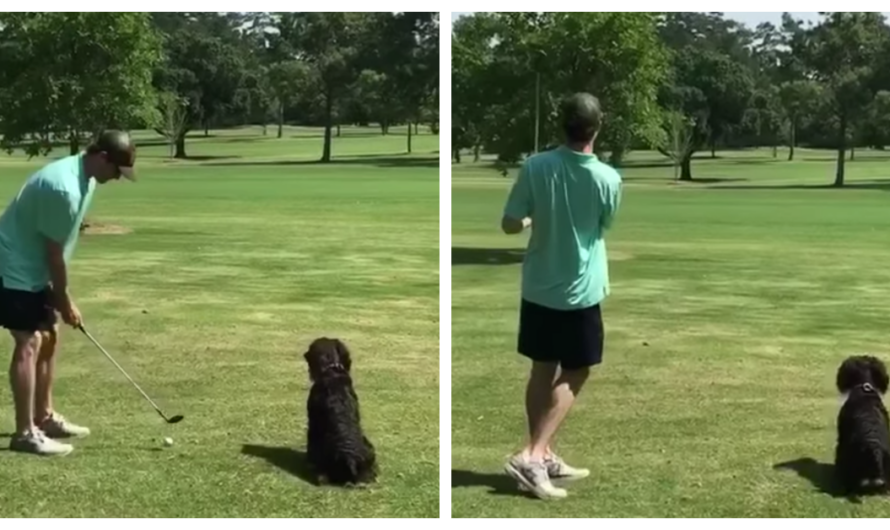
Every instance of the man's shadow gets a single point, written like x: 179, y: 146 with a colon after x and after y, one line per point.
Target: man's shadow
x: 497, y: 484
x: 285, y: 458
x: 821, y: 475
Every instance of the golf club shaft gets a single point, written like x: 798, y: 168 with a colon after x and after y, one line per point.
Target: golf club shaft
x: 110, y: 358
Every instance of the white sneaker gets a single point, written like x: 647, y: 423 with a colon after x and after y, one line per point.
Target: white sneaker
x: 56, y: 426
x: 532, y: 476
x: 559, y: 471
x: 37, y: 443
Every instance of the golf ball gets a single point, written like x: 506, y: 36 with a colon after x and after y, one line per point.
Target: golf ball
x: 168, y: 442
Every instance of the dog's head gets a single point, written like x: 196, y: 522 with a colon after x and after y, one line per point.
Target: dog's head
x: 326, y: 354
x: 860, y: 369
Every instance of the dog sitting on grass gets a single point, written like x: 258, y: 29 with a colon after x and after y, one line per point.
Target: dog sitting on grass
x: 338, y: 451
x: 862, y: 456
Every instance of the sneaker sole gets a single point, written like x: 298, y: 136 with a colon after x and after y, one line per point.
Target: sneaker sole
x: 37, y: 453
x: 525, y: 485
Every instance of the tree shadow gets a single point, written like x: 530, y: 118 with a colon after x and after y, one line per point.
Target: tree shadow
x: 486, y: 256
x: 199, y: 158
x: 705, y: 180
x: 497, y: 484
x: 393, y: 161
x: 284, y: 458
x: 879, y: 185
x: 820, y: 475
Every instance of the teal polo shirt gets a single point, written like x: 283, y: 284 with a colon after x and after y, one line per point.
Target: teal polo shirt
x: 51, y: 204
x: 571, y: 198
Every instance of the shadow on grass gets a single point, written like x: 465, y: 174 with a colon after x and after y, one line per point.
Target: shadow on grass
x: 394, y: 161
x: 486, y: 256
x: 881, y: 185
x: 198, y: 158
x: 497, y: 484
x: 819, y: 474
x: 284, y: 458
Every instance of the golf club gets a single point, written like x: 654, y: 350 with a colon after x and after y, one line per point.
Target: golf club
x: 174, y: 419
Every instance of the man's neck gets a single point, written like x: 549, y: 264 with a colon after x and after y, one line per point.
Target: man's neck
x: 581, y: 147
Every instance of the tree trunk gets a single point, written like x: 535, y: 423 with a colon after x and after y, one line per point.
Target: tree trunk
x: 338, y: 130
x: 280, y: 120
x: 328, y: 125
x: 686, y: 168
x: 713, y: 147
x: 409, y: 137
x: 616, y: 156
x: 793, y: 141
x: 73, y: 143
x: 456, y: 156
x: 416, y: 125
x: 384, y: 127
x: 180, y: 147
x: 841, y: 148
x: 206, y: 129
x: 476, y: 152
x: 852, y: 153
x: 775, y: 148
x: 265, y: 128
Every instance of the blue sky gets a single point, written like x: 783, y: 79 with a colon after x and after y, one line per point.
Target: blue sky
x: 749, y: 18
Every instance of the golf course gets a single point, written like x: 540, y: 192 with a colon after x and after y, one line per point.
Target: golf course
x: 207, y: 280
x: 734, y: 299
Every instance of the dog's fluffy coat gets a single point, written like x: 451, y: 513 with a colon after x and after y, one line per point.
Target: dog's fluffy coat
x: 862, y: 455
x: 337, y: 449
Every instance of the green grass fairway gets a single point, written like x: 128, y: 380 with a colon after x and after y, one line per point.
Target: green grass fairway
x: 234, y: 262
x: 733, y: 302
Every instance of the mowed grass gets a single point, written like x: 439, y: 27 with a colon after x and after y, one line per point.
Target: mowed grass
x: 234, y: 264
x: 733, y: 302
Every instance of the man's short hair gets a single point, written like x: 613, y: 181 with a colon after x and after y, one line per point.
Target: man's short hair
x: 581, y: 117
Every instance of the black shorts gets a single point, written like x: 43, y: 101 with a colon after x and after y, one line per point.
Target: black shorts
x: 26, y: 311
x: 573, y: 339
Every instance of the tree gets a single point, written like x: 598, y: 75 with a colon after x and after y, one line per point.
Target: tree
x: 330, y: 43
x: 799, y: 99
x: 510, y: 70
x: 712, y: 90
x: 677, y: 140
x: 287, y: 81
x: 203, y: 62
x: 842, y: 53
x: 173, y: 110
x: 70, y: 75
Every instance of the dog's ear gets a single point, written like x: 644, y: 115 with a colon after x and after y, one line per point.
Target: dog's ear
x: 879, y: 374
x: 847, y: 376
x: 345, y: 357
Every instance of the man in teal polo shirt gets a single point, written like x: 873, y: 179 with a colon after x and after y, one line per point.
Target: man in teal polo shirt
x: 38, y: 234
x: 568, y: 198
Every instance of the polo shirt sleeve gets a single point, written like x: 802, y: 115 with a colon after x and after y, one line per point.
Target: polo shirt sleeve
x: 56, y: 214
x: 519, y: 201
x: 610, y: 197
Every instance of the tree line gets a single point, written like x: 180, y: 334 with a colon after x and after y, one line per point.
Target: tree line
x: 65, y: 76
x: 679, y: 83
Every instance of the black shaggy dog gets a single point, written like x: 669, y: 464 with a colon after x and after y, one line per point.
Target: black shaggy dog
x: 338, y: 451
x: 862, y: 456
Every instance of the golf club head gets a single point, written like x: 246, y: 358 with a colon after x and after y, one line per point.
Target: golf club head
x: 175, y: 419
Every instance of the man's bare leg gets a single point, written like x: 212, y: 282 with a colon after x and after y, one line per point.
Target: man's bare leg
x: 538, y: 393
x: 52, y: 423
x: 566, y: 388
x: 45, y: 375
x: 22, y: 378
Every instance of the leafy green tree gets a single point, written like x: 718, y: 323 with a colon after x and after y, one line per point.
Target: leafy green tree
x: 69, y: 75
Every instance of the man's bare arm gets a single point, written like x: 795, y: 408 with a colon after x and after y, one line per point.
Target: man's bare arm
x: 514, y: 226
x: 58, y: 271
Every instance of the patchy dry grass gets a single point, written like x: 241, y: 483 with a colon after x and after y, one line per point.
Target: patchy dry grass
x: 209, y: 302
x: 731, y: 310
